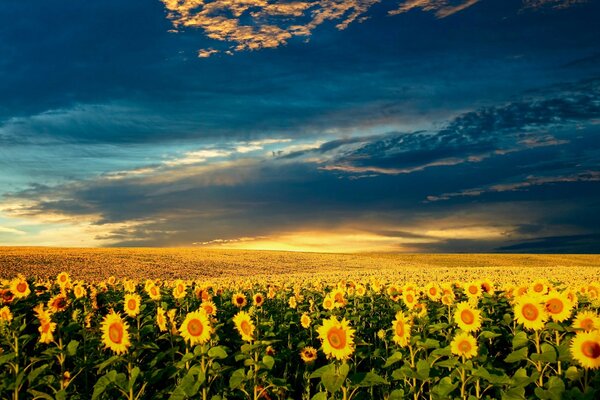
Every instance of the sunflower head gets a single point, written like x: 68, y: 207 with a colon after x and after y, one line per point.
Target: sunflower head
x: 161, y: 319
x: 132, y: 304
x: 587, y: 320
x: 239, y: 300
x: 5, y: 315
x: 464, y: 345
x: 19, y: 287
x: 585, y: 349
x: 467, y: 318
x: 401, y: 328
x: 558, y: 306
x: 244, y: 325
x: 209, y: 307
x: 153, y: 292
x: 305, y: 321
x: 328, y: 303
x: 337, y: 338
x: 258, y: 299
x: 530, y: 312
x: 196, y: 328
x: 308, y: 354
x: 115, y: 333
x: 58, y: 303
x: 63, y: 280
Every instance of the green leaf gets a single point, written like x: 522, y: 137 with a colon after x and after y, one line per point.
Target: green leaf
x: 268, y: 361
x: 318, y: 373
x: 423, y: 369
x: 397, y: 394
x: 549, y: 354
x: 40, y: 395
x: 217, y: 352
x: 35, y: 373
x: 133, y: 376
x: 72, y: 347
x: 106, y: 363
x: 573, y: 374
x: 394, y: 358
x: 320, y: 396
x: 334, y: 379
x: 517, y: 393
x: 516, y: 356
x: 520, y: 340
x: 489, y: 335
x: 6, y: 358
x: 103, y: 383
x: 443, y: 352
x: 367, y: 379
x: 555, y: 326
x: 60, y: 395
x: 430, y: 344
x: 494, y: 379
x: 443, y: 389
x: 237, y: 378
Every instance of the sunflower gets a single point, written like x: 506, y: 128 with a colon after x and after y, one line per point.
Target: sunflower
x: 360, y: 290
x: 58, y: 303
x: 558, y: 306
x: 5, y: 314
x: 6, y: 296
x: 305, y: 321
x: 467, y: 317
x: 308, y: 354
x: 587, y: 321
x: 401, y: 327
x: 20, y: 287
x: 447, y: 299
x: 243, y: 323
x: 153, y: 292
x: 179, y: 289
x: 328, y: 303
x: 530, y: 312
x: 539, y: 287
x: 292, y: 302
x: 585, y: 348
x: 239, y: 300
x: 132, y: 304
x: 196, y: 328
x: 115, y: 333
x: 63, y: 280
x: 161, y: 319
x: 473, y: 290
x: 410, y: 298
x: 129, y: 285
x: 46, y: 329
x: 338, y: 298
x: 464, y: 345
x: 487, y: 286
x: 337, y: 338
x: 209, y: 307
x: 79, y: 291
x: 420, y: 310
x: 433, y: 291
x: 258, y: 299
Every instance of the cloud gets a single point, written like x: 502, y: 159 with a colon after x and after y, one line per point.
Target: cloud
x: 12, y: 231
x: 551, y: 3
x: 441, y: 8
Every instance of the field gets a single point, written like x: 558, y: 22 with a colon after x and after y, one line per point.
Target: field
x: 217, y: 324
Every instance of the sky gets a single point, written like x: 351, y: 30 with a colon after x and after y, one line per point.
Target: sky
x: 307, y: 125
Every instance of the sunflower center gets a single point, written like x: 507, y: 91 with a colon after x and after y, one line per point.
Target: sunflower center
x: 467, y: 317
x: 246, y: 328
x: 587, y: 324
x: 464, y: 346
x: 473, y: 289
x: 337, y: 338
x: 400, y: 329
x: 410, y: 298
x: 530, y: 312
x: 45, y: 327
x: 131, y: 304
x: 239, y: 300
x: 21, y: 287
x: 554, y: 306
x: 590, y: 349
x: 195, y: 327
x: 538, y: 287
x: 115, y: 332
x: 180, y: 288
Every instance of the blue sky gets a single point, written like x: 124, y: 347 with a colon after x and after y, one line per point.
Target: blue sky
x: 331, y: 125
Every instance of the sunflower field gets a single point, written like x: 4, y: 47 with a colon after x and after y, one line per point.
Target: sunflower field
x: 371, y: 338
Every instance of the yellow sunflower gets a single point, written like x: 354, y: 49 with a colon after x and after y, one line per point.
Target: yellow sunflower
x: 337, y: 338
x: 243, y: 323
x: 239, y: 300
x: 115, y: 333
x: 339, y: 299
x: 558, y: 306
x: 58, y: 303
x: 132, y: 304
x: 179, y: 289
x: 161, y: 319
x: 196, y: 328
x: 258, y: 299
x: 410, y: 298
x: 447, y: 299
x: 5, y: 314
x: 20, y: 287
x: 433, y: 291
x: 46, y: 329
x: 79, y: 291
x: 292, y: 302
x: 539, y: 287
x: 464, y: 345
x: 360, y: 290
x: 328, y: 303
x: 473, y: 290
x: 585, y: 348
x: 530, y: 312
x: 153, y: 292
x: 587, y: 321
x: 305, y: 321
x: 129, y: 285
x: 467, y: 317
x: 63, y: 280
x: 308, y: 354
x: 401, y: 327
x: 209, y: 307
x: 487, y: 286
